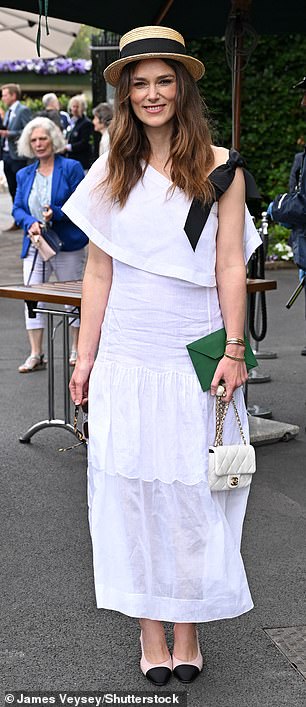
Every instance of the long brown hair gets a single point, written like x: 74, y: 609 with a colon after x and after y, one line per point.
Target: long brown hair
x: 191, y: 153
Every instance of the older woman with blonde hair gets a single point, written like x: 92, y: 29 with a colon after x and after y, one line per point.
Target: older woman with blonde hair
x: 42, y: 188
x: 79, y: 132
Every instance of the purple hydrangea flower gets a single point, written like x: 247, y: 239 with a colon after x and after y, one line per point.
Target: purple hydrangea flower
x: 60, y: 65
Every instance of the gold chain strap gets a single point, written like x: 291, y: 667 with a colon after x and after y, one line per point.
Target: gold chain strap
x: 221, y: 410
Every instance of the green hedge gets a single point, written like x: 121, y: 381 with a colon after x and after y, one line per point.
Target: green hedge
x: 272, y: 123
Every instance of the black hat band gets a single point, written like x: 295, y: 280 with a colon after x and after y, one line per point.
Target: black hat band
x: 152, y: 46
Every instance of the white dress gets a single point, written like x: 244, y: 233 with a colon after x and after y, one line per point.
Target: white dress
x: 164, y: 546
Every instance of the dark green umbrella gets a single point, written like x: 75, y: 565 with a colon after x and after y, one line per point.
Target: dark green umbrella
x: 238, y: 20
x: 194, y: 18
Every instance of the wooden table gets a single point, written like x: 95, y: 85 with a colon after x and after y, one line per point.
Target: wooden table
x: 71, y: 292
x: 260, y: 285
x: 53, y: 293
x: 61, y: 293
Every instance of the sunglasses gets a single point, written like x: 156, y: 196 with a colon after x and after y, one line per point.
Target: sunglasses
x: 82, y: 435
x: 80, y: 426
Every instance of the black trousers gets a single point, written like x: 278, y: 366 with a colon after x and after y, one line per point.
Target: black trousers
x: 11, y: 167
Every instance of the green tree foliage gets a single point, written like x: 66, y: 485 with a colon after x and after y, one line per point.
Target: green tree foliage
x: 273, y: 125
x: 80, y: 48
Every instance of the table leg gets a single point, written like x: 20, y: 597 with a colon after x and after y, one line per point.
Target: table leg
x: 51, y: 335
x: 255, y: 410
x: 66, y: 369
x: 52, y: 421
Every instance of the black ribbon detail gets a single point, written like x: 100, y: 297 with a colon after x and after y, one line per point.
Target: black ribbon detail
x: 221, y: 178
x: 152, y: 45
x: 43, y: 9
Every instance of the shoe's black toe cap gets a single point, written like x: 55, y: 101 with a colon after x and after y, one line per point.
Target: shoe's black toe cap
x: 159, y: 676
x: 186, y: 673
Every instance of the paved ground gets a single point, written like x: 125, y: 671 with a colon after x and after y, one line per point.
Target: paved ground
x: 52, y: 636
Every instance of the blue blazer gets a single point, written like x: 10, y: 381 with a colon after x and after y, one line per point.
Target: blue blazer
x: 67, y: 174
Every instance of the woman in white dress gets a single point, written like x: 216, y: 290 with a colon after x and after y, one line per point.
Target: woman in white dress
x: 166, y: 266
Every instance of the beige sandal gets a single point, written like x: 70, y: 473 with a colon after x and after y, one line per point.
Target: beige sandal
x: 33, y: 363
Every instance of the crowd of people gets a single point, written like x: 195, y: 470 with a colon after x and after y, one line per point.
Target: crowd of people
x: 76, y: 127
x: 44, y: 159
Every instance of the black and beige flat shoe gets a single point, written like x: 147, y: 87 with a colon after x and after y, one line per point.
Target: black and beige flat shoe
x: 158, y: 673
x: 188, y: 670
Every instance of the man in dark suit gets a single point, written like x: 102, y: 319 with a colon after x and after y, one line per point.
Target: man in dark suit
x: 16, y: 117
x: 295, y: 171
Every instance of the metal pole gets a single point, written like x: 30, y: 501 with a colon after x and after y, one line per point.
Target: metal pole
x: 236, y: 83
x: 66, y: 368
x: 163, y: 12
x: 50, y: 367
x: 264, y: 233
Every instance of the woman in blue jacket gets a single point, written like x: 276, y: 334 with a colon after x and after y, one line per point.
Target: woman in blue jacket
x: 42, y: 189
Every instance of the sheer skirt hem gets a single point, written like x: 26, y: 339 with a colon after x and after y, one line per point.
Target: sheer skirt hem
x: 167, y: 609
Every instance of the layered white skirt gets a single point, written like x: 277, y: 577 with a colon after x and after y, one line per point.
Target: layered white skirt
x: 164, y: 546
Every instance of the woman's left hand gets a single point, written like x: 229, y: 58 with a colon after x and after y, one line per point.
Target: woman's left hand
x: 48, y: 213
x: 233, y: 373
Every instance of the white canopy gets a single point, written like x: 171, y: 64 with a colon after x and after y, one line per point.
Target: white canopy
x: 18, y: 31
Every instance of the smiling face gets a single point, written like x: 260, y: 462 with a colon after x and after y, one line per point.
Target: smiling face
x: 153, y: 92
x: 41, y: 144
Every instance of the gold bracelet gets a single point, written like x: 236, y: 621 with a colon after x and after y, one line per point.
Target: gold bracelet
x: 234, y: 358
x: 235, y: 340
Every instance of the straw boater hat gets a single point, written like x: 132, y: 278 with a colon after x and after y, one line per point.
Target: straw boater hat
x: 152, y: 43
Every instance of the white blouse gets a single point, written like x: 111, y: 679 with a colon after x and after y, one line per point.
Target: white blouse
x: 148, y: 232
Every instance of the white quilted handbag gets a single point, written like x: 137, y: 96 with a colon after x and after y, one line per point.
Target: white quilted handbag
x: 230, y: 466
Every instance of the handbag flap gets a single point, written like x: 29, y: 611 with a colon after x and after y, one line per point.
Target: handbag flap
x: 233, y: 459
x: 52, y: 238
x: 213, y: 346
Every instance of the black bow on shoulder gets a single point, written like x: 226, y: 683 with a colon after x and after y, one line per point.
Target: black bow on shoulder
x: 221, y: 178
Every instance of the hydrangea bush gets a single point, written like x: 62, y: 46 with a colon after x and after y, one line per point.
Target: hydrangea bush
x: 60, y: 65
x: 278, y: 246
x: 281, y: 251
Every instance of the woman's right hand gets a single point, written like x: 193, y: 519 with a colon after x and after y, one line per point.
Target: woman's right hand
x: 35, y: 229
x: 79, y: 382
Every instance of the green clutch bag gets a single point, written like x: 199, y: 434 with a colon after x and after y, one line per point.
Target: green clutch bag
x: 206, y: 353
